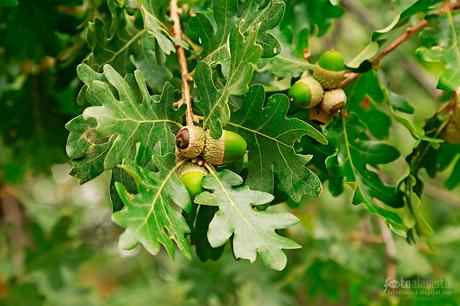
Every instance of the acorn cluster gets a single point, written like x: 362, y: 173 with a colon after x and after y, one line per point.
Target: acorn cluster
x: 452, y: 130
x: 323, y: 88
x: 198, y: 146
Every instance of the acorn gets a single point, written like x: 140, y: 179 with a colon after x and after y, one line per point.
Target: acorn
x: 452, y: 133
x: 191, y: 175
x: 333, y: 101
x: 190, y: 141
x: 330, y: 69
x: 228, y: 148
x: 306, y: 92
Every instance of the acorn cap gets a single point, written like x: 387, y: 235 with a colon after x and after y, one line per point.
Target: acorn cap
x: 452, y: 133
x: 306, y: 92
x: 191, y: 175
x: 190, y: 141
x: 332, y: 60
x: 333, y: 100
x: 228, y: 148
x: 329, y: 79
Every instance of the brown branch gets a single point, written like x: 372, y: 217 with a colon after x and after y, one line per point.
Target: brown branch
x: 398, y: 41
x: 390, y: 48
x: 447, y: 7
x: 177, y: 30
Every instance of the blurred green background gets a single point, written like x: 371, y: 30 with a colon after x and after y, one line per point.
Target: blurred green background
x: 58, y: 245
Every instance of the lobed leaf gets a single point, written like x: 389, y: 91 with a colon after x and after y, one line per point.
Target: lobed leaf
x: 355, y: 158
x: 148, y: 216
x: 253, y: 230
x: 123, y: 119
x: 214, y: 103
x: 444, y: 47
x: 271, y: 138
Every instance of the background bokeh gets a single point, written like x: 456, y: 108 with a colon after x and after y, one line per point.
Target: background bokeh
x: 58, y: 245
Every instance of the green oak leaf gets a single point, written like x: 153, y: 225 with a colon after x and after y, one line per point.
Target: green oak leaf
x: 214, y: 102
x: 111, y: 38
x: 271, y: 137
x: 365, y: 97
x: 355, y: 158
x: 287, y: 63
x: 214, y: 32
x: 449, y: 155
x: 145, y: 59
x: 304, y: 18
x: 149, y: 218
x: 157, y: 29
x: 124, y: 118
x: 253, y: 230
x: 444, y: 47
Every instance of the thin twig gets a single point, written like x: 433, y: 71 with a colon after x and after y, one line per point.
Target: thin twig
x: 186, y: 97
x: 447, y: 7
x: 390, y: 48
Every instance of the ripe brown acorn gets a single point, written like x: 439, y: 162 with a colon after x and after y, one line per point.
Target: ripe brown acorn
x: 190, y: 141
x: 228, y: 148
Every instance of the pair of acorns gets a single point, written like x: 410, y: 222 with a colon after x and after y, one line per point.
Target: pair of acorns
x: 323, y: 87
x: 193, y: 142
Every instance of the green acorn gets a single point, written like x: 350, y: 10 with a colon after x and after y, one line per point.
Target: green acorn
x: 190, y: 141
x: 306, y: 92
x: 330, y: 69
x: 452, y: 133
x: 333, y: 101
x: 191, y: 175
x: 228, y: 148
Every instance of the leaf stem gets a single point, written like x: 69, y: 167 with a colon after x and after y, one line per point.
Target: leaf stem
x: 177, y: 30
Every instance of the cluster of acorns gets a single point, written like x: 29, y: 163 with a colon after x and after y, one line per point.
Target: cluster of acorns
x: 452, y: 131
x: 198, y: 146
x: 323, y: 88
